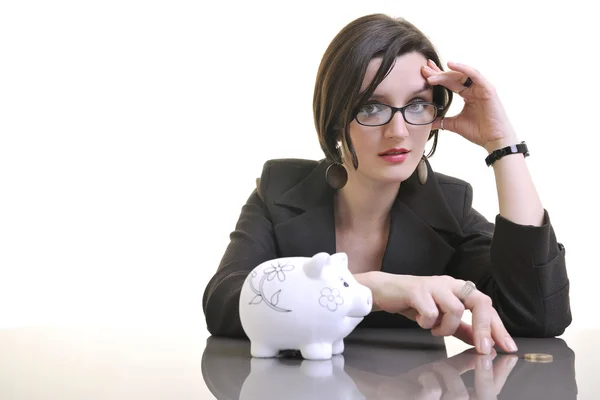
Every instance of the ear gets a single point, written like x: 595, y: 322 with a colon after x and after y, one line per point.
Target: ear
x: 314, y: 266
x: 340, y: 259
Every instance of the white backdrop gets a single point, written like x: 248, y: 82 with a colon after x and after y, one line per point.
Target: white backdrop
x: 132, y: 133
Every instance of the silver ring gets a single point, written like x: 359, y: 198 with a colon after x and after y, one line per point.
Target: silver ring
x: 443, y: 123
x: 466, y: 291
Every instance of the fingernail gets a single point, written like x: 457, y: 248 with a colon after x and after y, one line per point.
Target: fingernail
x: 510, y: 344
x: 485, y: 345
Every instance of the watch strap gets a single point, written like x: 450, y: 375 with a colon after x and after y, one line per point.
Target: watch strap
x: 513, y: 149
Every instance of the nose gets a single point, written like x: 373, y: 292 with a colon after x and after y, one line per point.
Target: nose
x: 397, y: 127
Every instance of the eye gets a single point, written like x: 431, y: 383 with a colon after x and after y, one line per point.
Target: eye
x: 370, y: 109
x: 416, y: 107
x: 346, y: 284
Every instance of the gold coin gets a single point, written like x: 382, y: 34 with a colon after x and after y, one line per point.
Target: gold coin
x: 538, y: 357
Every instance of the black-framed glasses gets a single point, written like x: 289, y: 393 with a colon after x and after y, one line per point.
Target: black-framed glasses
x: 416, y: 113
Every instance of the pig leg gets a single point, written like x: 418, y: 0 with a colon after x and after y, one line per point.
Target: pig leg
x: 317, y: 351
x: 260, y: 350
x: 338, y: 347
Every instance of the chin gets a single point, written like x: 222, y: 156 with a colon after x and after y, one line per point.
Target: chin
x: 395, y: 173
x: 384, y: 172
x: 394, y: 178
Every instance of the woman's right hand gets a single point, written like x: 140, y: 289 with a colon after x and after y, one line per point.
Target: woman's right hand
x: 433, y: 302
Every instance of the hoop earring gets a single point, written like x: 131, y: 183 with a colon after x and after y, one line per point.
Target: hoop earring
x: 336, y: 176
x: 422, y: 171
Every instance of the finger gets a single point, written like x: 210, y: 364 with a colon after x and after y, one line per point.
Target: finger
x: 390, y: 387
x: 452, y: 312
x: 428, y: 71
x: 427, y: 311
x: 452, y: 380
x: 481, y: 310
x: 482, y: 326
x: 419, y: 318
x: 502, y: 369
x: 484, y: 378
x: 452, y: 80
x: 463, y: 362
x: 472, y: 394
x: 500, y: 334
x: 449, y: 124
x: 431, y: 64
x: 431, y: 386
x: 466, y: 360
x: 475, y: 75
x: 430, y: 68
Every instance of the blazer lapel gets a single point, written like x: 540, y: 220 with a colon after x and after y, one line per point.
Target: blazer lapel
x: 311, y: 227
x: 422, y: 229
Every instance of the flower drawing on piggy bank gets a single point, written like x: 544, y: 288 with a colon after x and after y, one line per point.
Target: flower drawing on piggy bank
x: 278, y: 270
x: 269, y: 274
x: 331, y: 298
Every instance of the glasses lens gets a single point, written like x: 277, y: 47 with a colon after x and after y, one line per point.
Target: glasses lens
x: 379, y: 114
x: 374, y: 114
x: 420, y: 114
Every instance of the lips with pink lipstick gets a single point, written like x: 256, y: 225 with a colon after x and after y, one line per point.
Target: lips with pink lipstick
x: 395, y: 155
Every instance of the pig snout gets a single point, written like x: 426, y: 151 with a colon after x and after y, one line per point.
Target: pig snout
x: 362, y: 303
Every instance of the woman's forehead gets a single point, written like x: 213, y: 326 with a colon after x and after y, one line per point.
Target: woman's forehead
x: 404, y: 77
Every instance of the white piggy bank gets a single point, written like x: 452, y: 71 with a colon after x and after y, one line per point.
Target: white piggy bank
x: 308, y: 304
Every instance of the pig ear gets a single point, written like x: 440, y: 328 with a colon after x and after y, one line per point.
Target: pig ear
x: 340, y: 259
x: 314, y: 266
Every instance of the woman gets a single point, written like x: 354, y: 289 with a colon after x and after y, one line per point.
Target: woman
x: 410, y: 233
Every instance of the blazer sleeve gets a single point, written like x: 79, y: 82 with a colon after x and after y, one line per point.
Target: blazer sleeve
x: 251, y: 243
x: 521, y: 267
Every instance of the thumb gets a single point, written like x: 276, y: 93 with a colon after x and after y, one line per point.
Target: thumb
x: 448, y: 125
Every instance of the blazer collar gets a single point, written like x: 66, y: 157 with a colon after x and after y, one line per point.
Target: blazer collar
x: 426, y: 201
x: 312, y: 191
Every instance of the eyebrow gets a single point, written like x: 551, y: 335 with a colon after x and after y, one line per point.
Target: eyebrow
x: 426, y: 87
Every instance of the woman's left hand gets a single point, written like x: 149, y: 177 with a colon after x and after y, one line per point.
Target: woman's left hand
x: 483, y: 119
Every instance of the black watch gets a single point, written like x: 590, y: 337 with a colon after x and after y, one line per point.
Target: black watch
x: 514, y: 149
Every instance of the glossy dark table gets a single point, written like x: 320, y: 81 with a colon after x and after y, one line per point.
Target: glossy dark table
x: 185, y: 363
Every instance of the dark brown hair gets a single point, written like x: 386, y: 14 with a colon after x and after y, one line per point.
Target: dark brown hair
x: 337, y: 96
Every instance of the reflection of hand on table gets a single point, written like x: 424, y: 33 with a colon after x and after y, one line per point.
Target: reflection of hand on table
x: 441, y: 379
x: 392, y: 364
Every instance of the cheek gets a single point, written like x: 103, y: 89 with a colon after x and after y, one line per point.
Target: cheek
x: 420, y: 137
x: 363, y: 138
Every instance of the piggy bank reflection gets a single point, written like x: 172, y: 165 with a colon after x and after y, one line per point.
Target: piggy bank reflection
x: 290, y: 379
x: 309, y: 304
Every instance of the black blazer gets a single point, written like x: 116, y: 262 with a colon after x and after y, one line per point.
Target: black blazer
x: 433, y: 231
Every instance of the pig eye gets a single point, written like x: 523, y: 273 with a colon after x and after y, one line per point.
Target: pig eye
x: 346, y: 284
